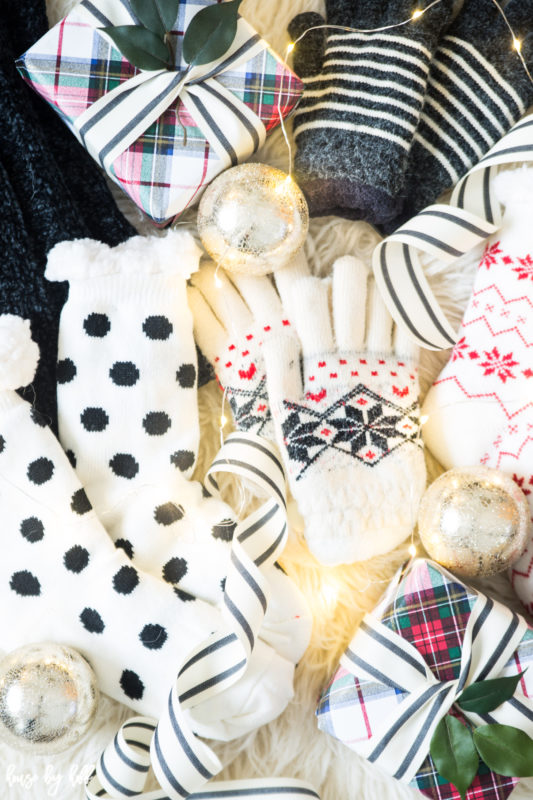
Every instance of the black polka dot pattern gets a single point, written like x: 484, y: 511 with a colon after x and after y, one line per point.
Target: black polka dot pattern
x: 124, y: 465
x: 124, y: 373
x: 25, y: 584
x: 182, y: 459
x: 80, y: 503
x: 186, y: 376
x: 126, y: 545
x: 76, y: 559
x: 40, y: 471
x: 125, y: 580
x: 167, y: 513
x: 157, y: 327
x: 94, y: 420
x: 92, y: 621
x: 156, y: 423
x: 65, y: 370
x: 224, y: 530
x: 184, y: 596
x: 71, y: 457
x: 38, y: 418
x: 131, y: 684
x: 175, y: 569
x: 97, y: 325
x: 153, y: 636
x: 32, y: 529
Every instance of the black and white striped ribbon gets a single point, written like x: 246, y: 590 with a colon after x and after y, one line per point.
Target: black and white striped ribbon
x: 117, y: 119
x: 182, y: 763
x: 445, y: 232
x: 401, y: 743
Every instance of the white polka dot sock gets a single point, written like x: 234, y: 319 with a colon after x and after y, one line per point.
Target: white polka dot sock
x: 350, y: 433
x: 61, y: 579
x: 232, y: 314
x: 149, y: 422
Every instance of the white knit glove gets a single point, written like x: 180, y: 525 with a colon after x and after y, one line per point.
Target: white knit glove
x: 127, y: 408
x: 349, y: 433
x: 232, y: 315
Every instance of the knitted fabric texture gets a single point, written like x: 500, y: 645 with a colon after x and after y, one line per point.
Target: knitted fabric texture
x: 51, y: 190
x: 356, y: 121
x: 128, y: 419
x: 480, y: 407
x: 231, y: 317
x: 349, y: 433
x: 477, y: 90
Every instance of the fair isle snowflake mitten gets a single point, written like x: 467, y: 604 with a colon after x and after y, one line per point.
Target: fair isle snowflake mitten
x: 477, y: 90
x: 355, y: 124
x: 349, y: 432
x: 128, y: 418
x: 482, y: 398
x: 231, y: 318
x: 62, y: 579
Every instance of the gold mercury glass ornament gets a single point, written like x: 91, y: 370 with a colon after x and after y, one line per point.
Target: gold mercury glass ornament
x: 474, y: 521
x: 253, y: 219
x: 48, y: 698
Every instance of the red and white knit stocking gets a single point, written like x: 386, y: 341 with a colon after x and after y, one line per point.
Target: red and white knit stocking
x: 480, y: 409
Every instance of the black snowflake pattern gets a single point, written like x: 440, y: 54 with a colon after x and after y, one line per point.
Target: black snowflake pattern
x: 250, y: 407
x: 361, y: 424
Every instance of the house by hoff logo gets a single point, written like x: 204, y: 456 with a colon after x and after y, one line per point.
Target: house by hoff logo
x: 53, y: 781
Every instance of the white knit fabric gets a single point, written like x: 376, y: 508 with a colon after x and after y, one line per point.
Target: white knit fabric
x: 232, y: 314
x: 349, y: 432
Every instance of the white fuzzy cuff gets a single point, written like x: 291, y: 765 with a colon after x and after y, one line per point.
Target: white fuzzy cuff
x: 175, y: 253
x: 19, y: 354
x: 514, y: 187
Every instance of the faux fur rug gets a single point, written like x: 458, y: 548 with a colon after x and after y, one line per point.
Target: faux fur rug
x: 338, y: 597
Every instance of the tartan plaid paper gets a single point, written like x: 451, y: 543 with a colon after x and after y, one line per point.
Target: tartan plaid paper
x: 430, y: 608
x: 167, y: 168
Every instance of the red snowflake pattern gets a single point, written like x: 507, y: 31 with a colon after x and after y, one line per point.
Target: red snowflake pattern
x: 520, y: 482
x: 460, y: 347
x: 489, y: 255
x: 525, y: 270
x: 501, y: 365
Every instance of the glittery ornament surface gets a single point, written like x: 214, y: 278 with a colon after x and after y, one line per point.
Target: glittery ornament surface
x: 253, y: 219
x: 48, y: 698
x: 474, y: 521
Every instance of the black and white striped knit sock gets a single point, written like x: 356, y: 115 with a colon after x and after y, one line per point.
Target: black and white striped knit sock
x: 357, y: 118
x: 477, y: 90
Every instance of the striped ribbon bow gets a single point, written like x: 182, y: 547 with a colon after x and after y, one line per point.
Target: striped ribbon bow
x: 445, y: 232
x: 117, y: 119
x: 182, y: 762
x: 401, y: 744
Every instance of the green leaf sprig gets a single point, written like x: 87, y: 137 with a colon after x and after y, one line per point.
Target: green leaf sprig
x: 456, y: 748
x: 149, y: 45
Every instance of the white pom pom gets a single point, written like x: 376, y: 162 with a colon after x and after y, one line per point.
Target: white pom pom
x: 175, y: 252
x: 514, y: 187
x: 19, y: 354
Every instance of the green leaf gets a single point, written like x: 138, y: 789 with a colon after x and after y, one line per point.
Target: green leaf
x: 140, y: 46
x: 168, y: 11
x: 453, y: 753
x: 210, y: 33
x: 148, y: 13
x: 505, y: 750
x: 485, y: 696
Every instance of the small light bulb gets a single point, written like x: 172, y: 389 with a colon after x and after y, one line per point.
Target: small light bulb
x: 223, y: 420
x: 412, y: 550
x: 423, y: 419
x: 417, y: 13
x: 517, y: 44
x: 290, y: 47
x: 218, y: 282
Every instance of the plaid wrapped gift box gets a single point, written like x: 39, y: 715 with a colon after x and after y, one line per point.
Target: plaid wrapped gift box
x: 429, y: 608
x: 166, y: 167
